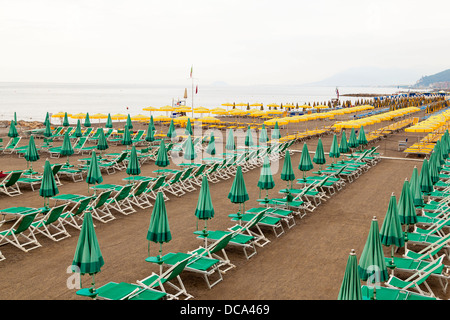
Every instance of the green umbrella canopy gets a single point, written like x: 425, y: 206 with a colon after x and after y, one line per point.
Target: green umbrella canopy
x: 129, y: 123
x: 230, y: 141
x: 66, y: 148
x: 87, y: 121
x: 211, y: 149
x: 189, y: 151
x: 343, y: 146
x: 31, y: 153
x: 415, y: 188
x: 88, y: 258
x: 405, y: 206
x: 438, y: 146
x: 351, y: 284
x: 151, y: 123
x: 78, y: 132
x: 133, y: 167
x: 162, y: 160
x: 109, y: 123
x: 94, y: 174
x: 276, y: 132
x: 48, y: 130
x: 319, y: 156
x: 126, y: 139
x: 66, y: 120
x: 263, y: 137
x: 248, y: 137
x: 48, y: 185
x: 238, y: 192
x: 12, y: 133
x: 15, y: 118
x: 47, y: 119
x: 305, y: 160
x: 102, y: 143
x: 150, y: 134
x: 204, y: 209
x: 362, y: 140
x: 335, y: 151
x: 266, y: 181
x: 426, y: 185
x: 159, y: 230
x: 171, y: 133
x: 372, y: 267
x: 444, y: 146
x: 352, y: 140
x: 391, y: 230
x: 188, y: 129
x: 287, y: 172
x: 433, y: 167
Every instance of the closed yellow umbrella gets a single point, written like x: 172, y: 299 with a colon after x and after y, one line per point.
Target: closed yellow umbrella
x: 78, y: 116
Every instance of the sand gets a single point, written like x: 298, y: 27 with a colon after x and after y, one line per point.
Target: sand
x: 307, y: 262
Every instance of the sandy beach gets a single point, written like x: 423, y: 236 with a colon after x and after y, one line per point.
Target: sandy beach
x: 307, y: 262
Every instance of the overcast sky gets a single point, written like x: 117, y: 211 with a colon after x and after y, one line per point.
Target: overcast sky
x: 239, y: 42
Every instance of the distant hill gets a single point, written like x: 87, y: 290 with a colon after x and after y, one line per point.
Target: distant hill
x: 370, y: 76
x: 440, y: 79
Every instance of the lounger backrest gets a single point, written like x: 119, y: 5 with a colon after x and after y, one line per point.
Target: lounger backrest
x: 82, y: 205
x: 221, y: 243
x: 80, y: 143
x: 141, y: 187
x: 54, y: 214
x: 122, y: 157
x: 124, y: 192
x: 255, y: 219
x: 187, y: 173
x: 56, y: 168
x: 13, y: 177
x: 25, y: 222
x: 158, y: 183
x: 200, y: 170
x: 175, y: 270
x: 101, y: 199
x: 176, y: 178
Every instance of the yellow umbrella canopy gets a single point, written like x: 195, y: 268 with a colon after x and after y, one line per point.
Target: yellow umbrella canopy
x: 218, y: 109
x: 237, y: 112
x: 227, y: 104
x: 183, y: 109
x: 208, y: 119
x: 140, y: 117
x: 161, y: 118
x: 288, y: 106
x: 78, y: 116
x: 321, y: 106
x: 241, y: 104
x: 271, y: 122
x: 150, y: 109
x: 201, y: 110
x: 118, y: 116
x: 256, y: 105
x: 182, y: 119
x: 60, y: 115
x: 219, y: 112
x: 274, y: 111
x: 167, y: 108
x: 98, y: 116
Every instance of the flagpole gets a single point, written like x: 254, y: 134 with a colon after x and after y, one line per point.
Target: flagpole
x: 192, y: 91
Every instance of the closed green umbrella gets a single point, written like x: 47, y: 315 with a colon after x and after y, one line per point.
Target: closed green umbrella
x: 87, y: 121
x: 248, y: 138
x: 15, y: 118
x: 188, y: 129
x: 204, y: 210
x: 48, y: 187
x: 162, y: 160
x: 12, y: 133
x: 352, y: 140
x: 94, y: 175
x: 238, y: 192
x: 126, y: 139
x: 66, y: 148
x: 276, y: 132
x: 151, y: 124
x: 351, y: 284
x: 129, y: 123
x: 47, y: 119
x: 405, y: 207
x: 31, y: 153
x: 88, y: 258
x: 211, y: 149
x: 334, y: 149
x: 171, y: 133
x: 372, y: 267
x: 48, y: 130
x: 319, y: 156
x: 265, y: 181
x: 263, y: 137
x: 78, y: 132
x: 362, y: 140
x: 437, y: 148
x: 444, y: 146
x: 433, y: 167
x: 426, y: 185
x: 133, y: 167
x: 158, y: 230
x: 305, y: 161
x: 109, y: 123
x: 102, y: 143
x: 343, y: 146
x: 415, y: 188
x: 189, y: 152
x: 150, y: 135
x: 231, y: 146
x: 287, y: 172
x: 391, y: 233
x: 66, y: 120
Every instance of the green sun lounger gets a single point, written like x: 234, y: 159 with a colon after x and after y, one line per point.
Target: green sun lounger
x: 384, y: 293
x: 127, y: 291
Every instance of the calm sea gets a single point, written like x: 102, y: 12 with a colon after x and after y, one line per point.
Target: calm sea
x: 31, y: 101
